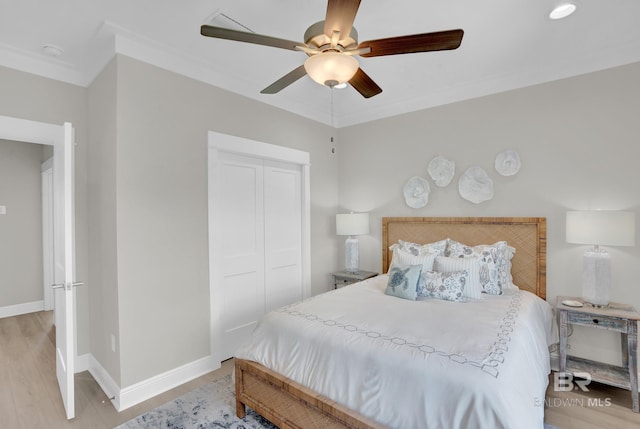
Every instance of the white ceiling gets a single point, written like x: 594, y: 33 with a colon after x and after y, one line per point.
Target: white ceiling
x: 507, y: 44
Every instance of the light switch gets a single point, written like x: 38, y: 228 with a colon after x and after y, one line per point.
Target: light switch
x: 3, y: 210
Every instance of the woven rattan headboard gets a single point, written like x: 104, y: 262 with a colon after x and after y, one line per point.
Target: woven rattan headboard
x: 527, y: 234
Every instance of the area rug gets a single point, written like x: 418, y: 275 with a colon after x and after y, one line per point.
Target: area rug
x: 212, y: 405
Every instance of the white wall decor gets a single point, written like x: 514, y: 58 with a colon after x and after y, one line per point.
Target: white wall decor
x: 416, y: 192
x: 507, y: 163
x: 441, y: 170
x: 475, y: 185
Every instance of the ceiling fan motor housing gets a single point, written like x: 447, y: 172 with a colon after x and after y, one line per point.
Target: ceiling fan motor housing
x: 315, y: 37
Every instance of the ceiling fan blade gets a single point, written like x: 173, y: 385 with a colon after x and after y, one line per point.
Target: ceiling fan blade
x: 340, y: 17
x: 285, y: 81
x: 438, y: 41
x: 364, y: 84
x: 243, y: 36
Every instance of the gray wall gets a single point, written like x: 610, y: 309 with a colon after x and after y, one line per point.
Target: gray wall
x: 578, y: 142
x: 160, y: 174
x: 21, y: 228
x: 103, y: 269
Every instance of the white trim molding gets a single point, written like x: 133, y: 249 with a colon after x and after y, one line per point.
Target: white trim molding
x: 132, y: 395
x: 139, y: 392
x: 18, y: 309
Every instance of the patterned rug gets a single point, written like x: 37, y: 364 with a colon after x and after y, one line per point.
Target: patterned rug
x: 210, y: 406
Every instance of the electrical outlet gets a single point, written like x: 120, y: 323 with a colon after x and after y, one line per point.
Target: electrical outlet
x: 3, y: 210
x: 113, y: 343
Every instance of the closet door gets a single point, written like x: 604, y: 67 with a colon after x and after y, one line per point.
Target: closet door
x: 241, y: 213
x: 283, y: 234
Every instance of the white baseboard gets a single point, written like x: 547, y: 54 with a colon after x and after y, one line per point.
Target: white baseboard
x: 104, y: 380
x: 139, y: 392
x: 18, y: 309
x: 83, y: 363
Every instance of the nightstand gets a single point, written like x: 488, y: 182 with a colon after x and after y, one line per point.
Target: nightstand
x: 615, y: 317
x: 343, y: 278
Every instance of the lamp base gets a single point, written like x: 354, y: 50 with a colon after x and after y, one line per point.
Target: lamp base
x: 351, y: 257
x: 596, y: 278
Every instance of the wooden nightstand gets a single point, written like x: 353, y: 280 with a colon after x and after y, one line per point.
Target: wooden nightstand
x: 615, y: 317
x: 343, y: 278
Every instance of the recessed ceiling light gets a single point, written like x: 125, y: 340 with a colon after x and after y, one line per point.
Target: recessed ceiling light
x: 52, y: 50
x: 562, y: 11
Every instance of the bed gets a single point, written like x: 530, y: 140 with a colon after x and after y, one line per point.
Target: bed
x: 358, y: 358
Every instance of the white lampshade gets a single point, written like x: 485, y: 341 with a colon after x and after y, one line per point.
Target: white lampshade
x: 601, y: 227
x: 352, y: 224
x: 331, y: 68
x: 610, y: 228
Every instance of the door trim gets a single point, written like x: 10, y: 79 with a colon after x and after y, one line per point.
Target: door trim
x: 47, y: 232
x: 218, y: 142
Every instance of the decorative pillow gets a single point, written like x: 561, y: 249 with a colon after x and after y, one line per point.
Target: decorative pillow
x: 402, y: 257
x: 447, y: 286
x: 439, y: 247
x: 495, y: 263
x: 403, y: 281
x: 471, y: 265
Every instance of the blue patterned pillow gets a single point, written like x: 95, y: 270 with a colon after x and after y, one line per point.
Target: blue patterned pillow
x: 403, y: 281
x: 473, y: 287
x: 447, y: 286
x: 495, y: 263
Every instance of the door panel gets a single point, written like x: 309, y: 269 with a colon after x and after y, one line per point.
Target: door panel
x: 241, y: 212
x: 283, y: 234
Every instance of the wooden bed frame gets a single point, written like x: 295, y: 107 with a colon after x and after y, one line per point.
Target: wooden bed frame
x: 288, y: 404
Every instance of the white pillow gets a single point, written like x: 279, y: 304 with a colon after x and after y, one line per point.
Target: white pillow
x: 438, y: 247
x: 403, y: 258
x: 473, y: 289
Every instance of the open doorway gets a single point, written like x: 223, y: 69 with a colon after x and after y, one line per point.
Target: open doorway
x: 24, y: 205
x: 61, y: 138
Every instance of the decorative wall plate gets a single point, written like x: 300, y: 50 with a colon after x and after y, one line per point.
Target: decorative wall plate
x: 416, y: 192
x: 441, y: 170
x: 507, y: 162
x: 475, y: 185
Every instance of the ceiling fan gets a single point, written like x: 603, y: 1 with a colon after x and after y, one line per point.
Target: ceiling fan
x: 332, y: 44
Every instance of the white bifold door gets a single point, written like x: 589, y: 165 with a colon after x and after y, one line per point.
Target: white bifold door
x: 259, y: 223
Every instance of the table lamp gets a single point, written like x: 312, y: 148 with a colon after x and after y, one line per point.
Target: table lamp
x: 599, y: 227
x: 352, y: 224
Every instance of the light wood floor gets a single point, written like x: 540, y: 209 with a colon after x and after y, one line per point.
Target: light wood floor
x: 29, y: 394
x: 30, y: 399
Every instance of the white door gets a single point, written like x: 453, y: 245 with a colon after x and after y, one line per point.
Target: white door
x: 64, y: 267
x: 283, y: 234
x: 241, y: 214
x: 259, y: 235
x: 259, y: 207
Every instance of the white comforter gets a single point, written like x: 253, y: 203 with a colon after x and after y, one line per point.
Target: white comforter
x: 415, y: 364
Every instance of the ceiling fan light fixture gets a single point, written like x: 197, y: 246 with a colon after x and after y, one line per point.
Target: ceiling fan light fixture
x: 562, y: 11
x: 331, y: 68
